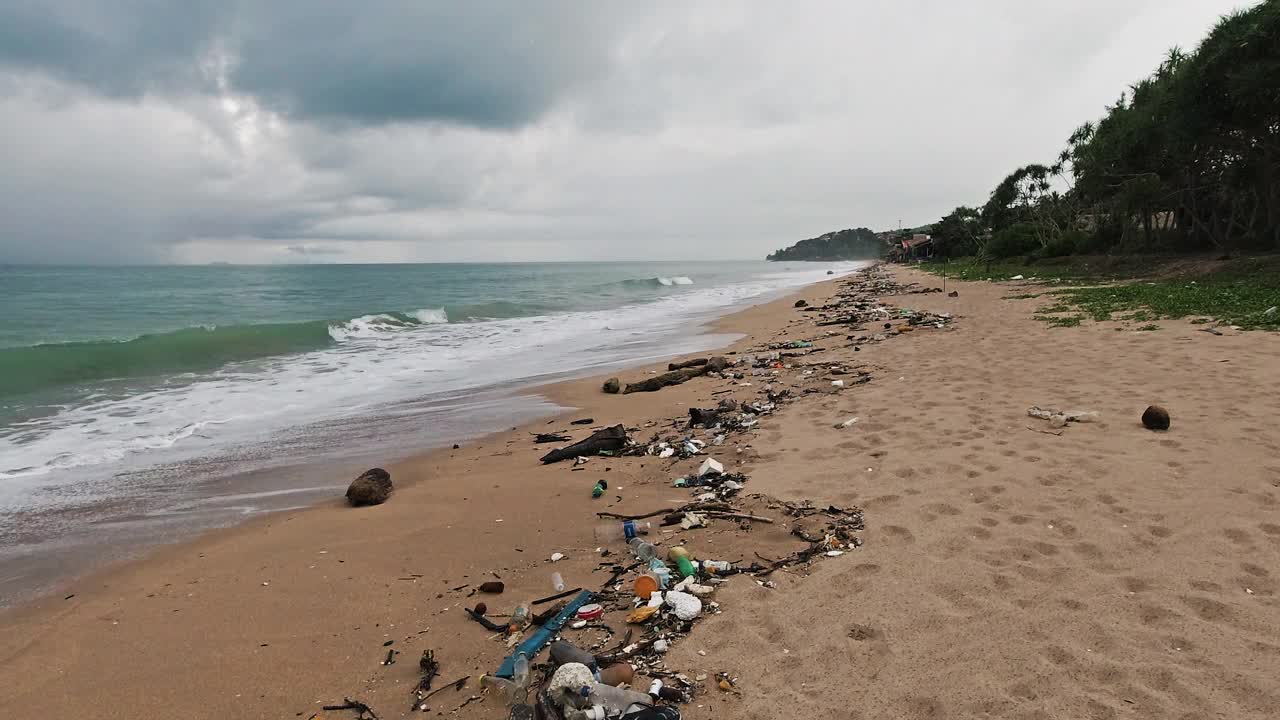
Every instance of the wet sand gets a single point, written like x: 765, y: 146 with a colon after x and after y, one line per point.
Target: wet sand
x: 1105, y: 572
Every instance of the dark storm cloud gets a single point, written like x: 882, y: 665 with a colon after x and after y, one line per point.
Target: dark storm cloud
x: 485, y: 64
x: 488, y: 64
x: 419, y: 130
x: 117, y: 48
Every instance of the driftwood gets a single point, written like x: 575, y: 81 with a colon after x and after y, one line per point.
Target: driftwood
x: 736, y: 516
x: 616, y: 516
x: 364, y: 711
x: 541, y: 438
x: 610, y: 438
x: 687, y: 364
x: 557, y: 596
x: 703, y: 417
x: 676, y: 377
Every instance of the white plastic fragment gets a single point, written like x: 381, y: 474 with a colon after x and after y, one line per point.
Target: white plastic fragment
x: 847, y: 423
x: 569, y: 679
x: 685, y: 606
x: 710, y: 466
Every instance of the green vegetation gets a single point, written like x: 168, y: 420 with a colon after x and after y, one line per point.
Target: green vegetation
x: 1240, y: 291
x: 1186, y: 159
x: 1061, y: 320
x: 853, y: 244
x: 1237, y: 301
x: 1148, y: 328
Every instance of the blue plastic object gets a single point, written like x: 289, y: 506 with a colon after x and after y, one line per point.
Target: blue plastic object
x: 535, y: 642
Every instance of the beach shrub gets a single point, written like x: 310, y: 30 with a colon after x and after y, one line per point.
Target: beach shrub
x: 1013, y: 241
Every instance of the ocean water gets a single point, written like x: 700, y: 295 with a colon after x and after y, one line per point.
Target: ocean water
x: 142, y: 402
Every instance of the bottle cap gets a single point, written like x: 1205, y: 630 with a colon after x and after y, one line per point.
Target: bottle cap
x: 590, y: 612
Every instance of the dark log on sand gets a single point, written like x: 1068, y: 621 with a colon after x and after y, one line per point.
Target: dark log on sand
x: 676, y: 377
x: 687, y: 364
x: 706, y: 418
x: 610, y: 438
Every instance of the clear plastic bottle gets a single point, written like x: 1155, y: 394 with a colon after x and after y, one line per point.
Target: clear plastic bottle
x: 617, y: 701
x: 661, y: 572
x: 557, y: 582
x: 520, y: 618
x: 622, y: 530
x: 644, y: 551
x: 716, y: 567
x: 516, y: 690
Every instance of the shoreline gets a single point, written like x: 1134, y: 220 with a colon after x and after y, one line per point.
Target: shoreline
x: 126, y: 538
x: 978, y: 531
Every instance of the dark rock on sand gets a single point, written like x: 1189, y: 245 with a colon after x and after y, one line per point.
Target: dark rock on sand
x: 1155, y: 418
x: 801, y: 303
x: 373, y: 487
x: 612, y: 386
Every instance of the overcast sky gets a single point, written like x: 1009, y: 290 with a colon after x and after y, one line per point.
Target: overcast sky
x: 424, y: 130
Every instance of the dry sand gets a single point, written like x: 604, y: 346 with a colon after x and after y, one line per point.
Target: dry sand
x: 1107, y: 572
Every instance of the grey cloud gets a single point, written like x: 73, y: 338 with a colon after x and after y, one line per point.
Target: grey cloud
x: 390, y: 131
x: 121, y: 48
x: 489, y: 63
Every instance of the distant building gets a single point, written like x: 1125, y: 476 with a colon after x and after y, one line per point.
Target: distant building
x: 917, y: 246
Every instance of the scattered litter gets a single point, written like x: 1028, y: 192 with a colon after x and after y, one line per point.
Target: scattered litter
x: 1059, y: 418
x: 847, y: 423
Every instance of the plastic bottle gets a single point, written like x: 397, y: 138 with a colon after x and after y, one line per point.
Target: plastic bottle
x: 642, y: 550
x: 617, y: 701
x: 716, y: 567
x: 519, y: 618
x: 623, y: 530
x: 658, y: 691
x: 563, y: 652
x: 516, y: 690
x: 599, y: 489
x: 557, y: 582
x: 659, y: 570
x: 685, y: 566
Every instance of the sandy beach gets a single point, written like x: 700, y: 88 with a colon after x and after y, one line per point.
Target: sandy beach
x: 1008, y: 569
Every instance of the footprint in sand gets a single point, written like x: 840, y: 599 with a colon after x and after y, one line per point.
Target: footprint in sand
x: 897, y: 532
x: 1205, y: 586
x: 1208, y: 609
x: 1134, y: 584
x: 1239, y: 537
x: 863, y: 633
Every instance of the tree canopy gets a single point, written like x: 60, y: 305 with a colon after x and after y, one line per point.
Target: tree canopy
x: 1185, y: 159
x: 852, y: 244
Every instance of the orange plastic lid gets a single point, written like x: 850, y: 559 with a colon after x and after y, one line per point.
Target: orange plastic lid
x: 646, y: 585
